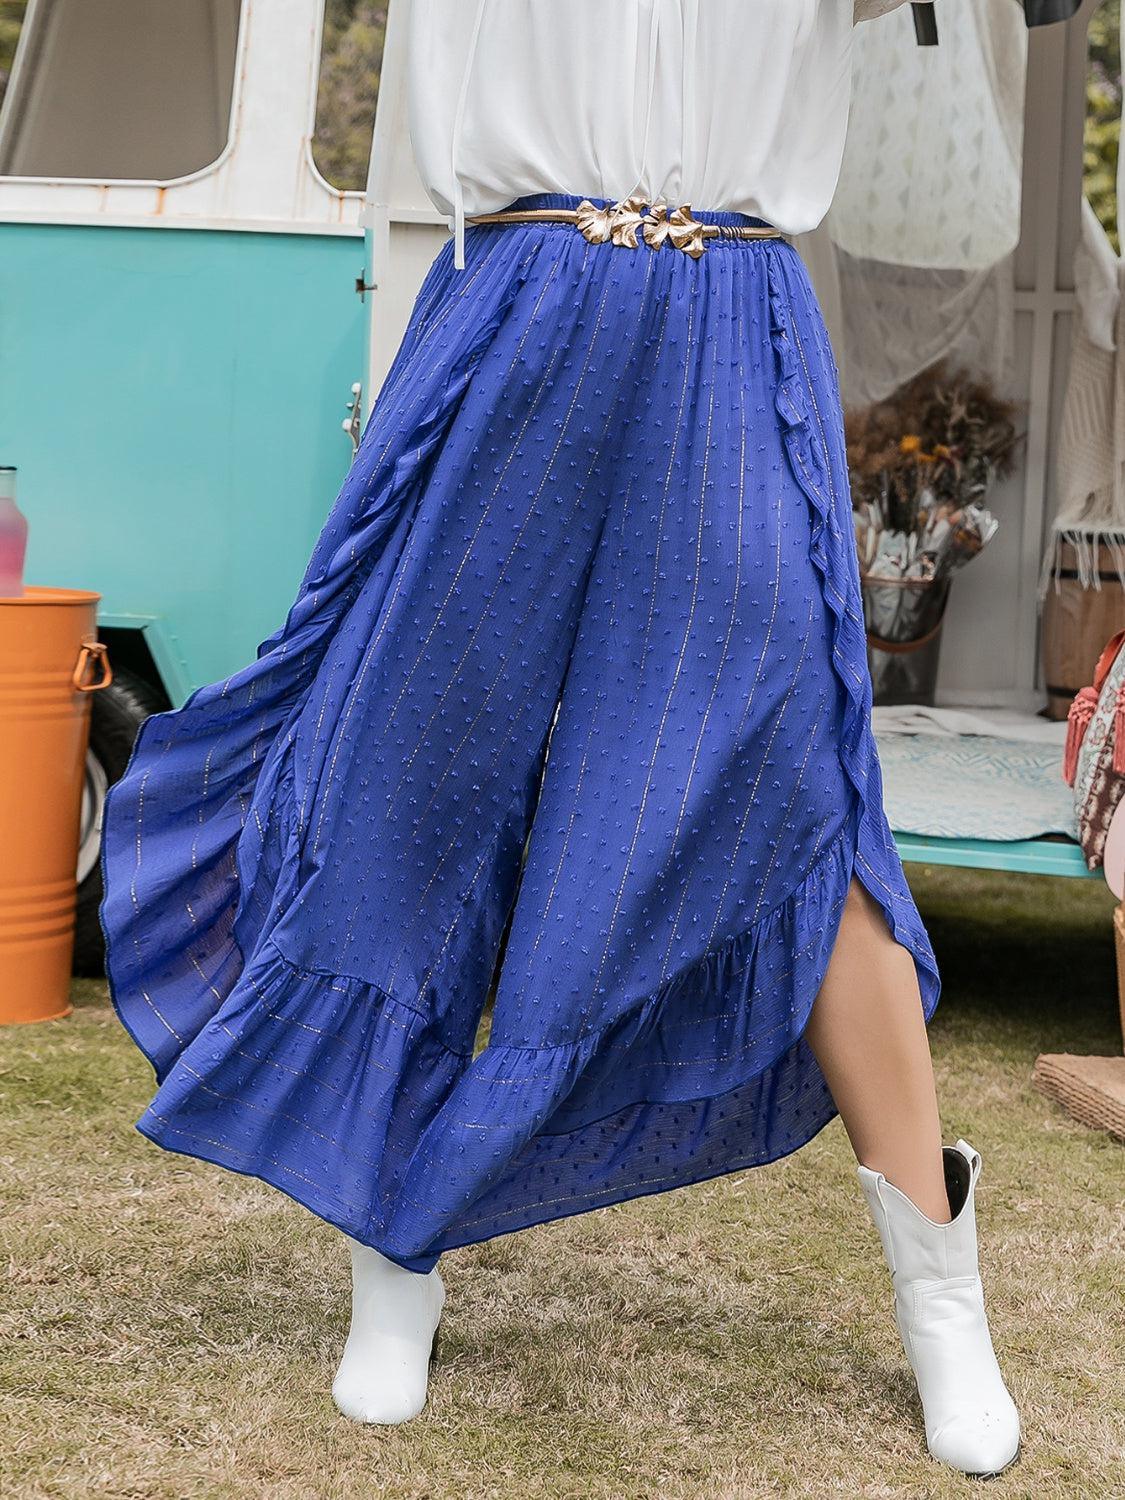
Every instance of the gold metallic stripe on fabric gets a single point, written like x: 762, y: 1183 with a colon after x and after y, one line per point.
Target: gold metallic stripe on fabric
x: 631, y: 222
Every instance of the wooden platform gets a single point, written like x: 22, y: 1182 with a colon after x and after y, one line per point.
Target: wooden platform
x: 1090, y: 1089
x: 1047, y: 856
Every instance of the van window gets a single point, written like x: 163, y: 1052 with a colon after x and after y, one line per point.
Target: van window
x: 11, y: 20
x: 116, y: 89
x: 351, y: 60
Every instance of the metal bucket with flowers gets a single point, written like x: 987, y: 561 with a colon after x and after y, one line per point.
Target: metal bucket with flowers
x: 921, y: 464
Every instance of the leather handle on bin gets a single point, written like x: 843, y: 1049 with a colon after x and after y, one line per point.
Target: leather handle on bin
x: 92, y: 657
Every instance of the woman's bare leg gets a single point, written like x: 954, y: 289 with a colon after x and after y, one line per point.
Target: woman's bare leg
x: 869, y: 1037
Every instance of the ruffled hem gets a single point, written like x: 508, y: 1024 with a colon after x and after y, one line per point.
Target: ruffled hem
x: 228, y: 886
x: 817, y: 457
x: 331, y: 1113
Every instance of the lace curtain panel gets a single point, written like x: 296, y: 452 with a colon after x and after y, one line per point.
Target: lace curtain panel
x: 914, y: 263
x: 1090, y: 471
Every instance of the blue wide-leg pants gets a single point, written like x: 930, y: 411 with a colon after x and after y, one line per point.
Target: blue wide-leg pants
x: 573, y: 705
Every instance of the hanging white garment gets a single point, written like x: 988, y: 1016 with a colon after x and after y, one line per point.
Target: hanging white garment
x: 1090, y: 468
x: 927, y: 213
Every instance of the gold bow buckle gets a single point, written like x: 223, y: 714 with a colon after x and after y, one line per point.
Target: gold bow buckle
x: 677, y: 229
x: 622, y: 223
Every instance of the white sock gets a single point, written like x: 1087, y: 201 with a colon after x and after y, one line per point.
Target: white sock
x: 386, y: 1363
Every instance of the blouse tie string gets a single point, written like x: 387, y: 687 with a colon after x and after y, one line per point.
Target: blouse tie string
x: 455, y: 149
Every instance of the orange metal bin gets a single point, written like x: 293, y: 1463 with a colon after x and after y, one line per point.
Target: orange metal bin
x: 50, y: 662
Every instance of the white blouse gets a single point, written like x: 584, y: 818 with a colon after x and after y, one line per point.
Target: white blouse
x: 737, y: 105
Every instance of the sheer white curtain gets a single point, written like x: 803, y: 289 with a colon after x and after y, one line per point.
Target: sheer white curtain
x: 914, y: 262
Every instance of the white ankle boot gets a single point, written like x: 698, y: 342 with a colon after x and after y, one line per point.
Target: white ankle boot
x: 971, y: 1421
x: 386, y: 1364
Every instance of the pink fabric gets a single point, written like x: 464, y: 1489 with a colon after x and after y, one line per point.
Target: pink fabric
x: 1094, y: 758
x: 1077, y: 723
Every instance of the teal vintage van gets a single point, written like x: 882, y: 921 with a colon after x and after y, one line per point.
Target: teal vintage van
x: 180, y: 335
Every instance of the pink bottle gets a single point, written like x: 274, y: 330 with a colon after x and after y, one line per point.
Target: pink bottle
x: 13, y: 537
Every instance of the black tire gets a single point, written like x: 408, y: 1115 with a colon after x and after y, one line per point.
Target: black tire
x: 117, y: 712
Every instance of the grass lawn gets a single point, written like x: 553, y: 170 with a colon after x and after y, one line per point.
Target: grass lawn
x: 170, y: 1330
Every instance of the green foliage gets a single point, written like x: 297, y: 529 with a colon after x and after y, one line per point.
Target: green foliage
x: 11, y: 19
x: 1103, y: 117
x: 351, y: 61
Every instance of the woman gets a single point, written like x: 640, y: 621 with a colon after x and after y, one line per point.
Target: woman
x: 573, y: 701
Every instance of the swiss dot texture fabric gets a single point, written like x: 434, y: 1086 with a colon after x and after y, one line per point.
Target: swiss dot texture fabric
x: 588, y: 594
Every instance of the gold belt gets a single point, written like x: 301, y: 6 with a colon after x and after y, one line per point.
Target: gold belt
x: 628, y: 224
